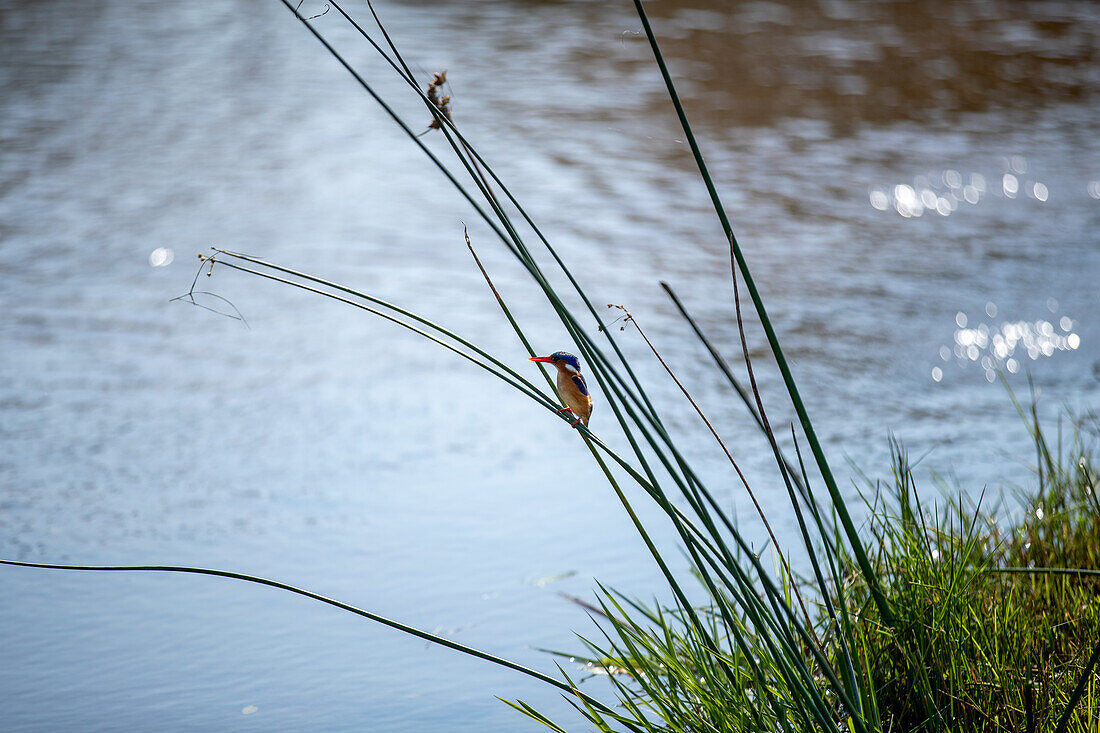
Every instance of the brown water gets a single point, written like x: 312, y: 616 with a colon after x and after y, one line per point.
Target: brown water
x: 916, y: 186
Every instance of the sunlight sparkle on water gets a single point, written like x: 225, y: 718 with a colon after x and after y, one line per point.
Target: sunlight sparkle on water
x: 906, y: 201
x: 161, y: 257
x: 945, y: 191
x: 941, y: 193
x: 993, y: 346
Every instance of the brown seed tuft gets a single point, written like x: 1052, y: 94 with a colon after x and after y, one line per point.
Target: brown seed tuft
x: 443, y: 104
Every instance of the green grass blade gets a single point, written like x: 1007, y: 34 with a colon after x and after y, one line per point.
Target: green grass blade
x: 773, y: 341
x: 412, y: 631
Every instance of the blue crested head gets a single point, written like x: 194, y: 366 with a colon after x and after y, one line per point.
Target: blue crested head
x: 566, y: 357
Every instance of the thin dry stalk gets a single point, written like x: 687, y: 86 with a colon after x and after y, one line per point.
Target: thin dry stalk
x: 629, y: 318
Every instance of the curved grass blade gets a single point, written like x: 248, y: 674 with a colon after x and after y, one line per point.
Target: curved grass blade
x: 411, y: 630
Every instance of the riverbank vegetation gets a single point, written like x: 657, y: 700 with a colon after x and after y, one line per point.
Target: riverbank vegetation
x: 999, y: 605
x: 996, y: 619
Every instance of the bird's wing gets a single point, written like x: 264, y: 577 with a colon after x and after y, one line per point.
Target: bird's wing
x: 579, y: 381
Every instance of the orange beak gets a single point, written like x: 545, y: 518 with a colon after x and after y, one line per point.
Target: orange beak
x: 547, y: 359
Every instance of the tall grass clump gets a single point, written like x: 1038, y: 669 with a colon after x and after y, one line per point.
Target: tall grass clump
x: 926, y: 622
x: 998, y: 608
x: 997, y: 617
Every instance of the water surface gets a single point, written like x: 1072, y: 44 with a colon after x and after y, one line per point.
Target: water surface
x: 910, y: 181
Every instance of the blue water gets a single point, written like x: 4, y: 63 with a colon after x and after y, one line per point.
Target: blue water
x: 330, y: 450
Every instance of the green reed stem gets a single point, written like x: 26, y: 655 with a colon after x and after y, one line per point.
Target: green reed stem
x: 773, y: 341
x: 728, y: 374
x: 338, y: 604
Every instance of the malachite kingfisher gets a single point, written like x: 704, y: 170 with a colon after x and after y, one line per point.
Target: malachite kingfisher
x: 571, y: 385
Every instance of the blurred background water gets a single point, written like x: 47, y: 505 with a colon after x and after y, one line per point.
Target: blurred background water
x: 916, y: 186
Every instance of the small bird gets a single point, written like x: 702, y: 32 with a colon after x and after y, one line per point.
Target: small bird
x: 571, y: 385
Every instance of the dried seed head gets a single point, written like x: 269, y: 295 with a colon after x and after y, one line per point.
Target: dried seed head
x: 443, y: 103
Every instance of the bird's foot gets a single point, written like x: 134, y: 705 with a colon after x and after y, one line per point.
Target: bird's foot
x: 569, y: 409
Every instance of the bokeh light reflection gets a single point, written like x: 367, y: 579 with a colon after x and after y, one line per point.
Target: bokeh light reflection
x: 994, y: 346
